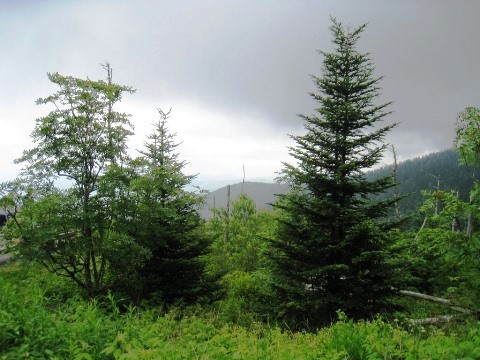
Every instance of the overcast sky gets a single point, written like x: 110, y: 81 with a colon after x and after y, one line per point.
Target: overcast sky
x: 236, y: 73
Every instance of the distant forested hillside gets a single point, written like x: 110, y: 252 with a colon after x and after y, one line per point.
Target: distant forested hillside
x: 422, y: 173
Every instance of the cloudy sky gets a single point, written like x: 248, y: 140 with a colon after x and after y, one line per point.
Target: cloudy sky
x: 236, y: 73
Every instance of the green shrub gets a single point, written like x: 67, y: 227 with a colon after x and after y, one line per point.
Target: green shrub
x: 36, y: 322
x: 249, y: 297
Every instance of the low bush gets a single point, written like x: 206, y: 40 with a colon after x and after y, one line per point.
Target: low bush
x: 36, y: 322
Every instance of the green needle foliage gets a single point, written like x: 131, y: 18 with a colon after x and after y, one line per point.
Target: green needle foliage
x: 332, y: 251
x: 245, y: 249
x: 165, y: 221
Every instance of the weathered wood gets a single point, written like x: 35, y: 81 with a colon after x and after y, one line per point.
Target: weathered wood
x: 227, y: 219
x: 396, y: 193
x: 4, y: 259
x: 421, y: 228
x: 434, y: 320
x: 435, y: 299
x: 425, y: 297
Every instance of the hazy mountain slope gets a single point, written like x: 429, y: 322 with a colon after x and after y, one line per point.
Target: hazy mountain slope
x: 261, y: 193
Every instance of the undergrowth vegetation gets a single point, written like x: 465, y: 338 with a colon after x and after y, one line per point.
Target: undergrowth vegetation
x: 42, y: 317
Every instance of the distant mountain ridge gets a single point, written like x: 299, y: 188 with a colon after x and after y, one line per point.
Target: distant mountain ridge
x: 262, y: 193
x: 414, y: 175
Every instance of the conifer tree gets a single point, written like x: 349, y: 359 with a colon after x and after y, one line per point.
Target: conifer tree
x: 331, y: 250
x: 166, y: 220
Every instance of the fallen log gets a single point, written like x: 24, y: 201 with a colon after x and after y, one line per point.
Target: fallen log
x: 440, y: 318
x: 435, y: 299
x: 434, y: 320
x: 425, y: 297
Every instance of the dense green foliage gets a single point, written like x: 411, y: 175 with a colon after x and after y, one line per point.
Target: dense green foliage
x: 331, y: 252
x: 238, y: 260
x: 467, y: 140
x: 124, y: 225
x: 444, y: 256
x: 41, y: 318
x: 69, y: 231
x: 239, y: 238
x: 442, y: 252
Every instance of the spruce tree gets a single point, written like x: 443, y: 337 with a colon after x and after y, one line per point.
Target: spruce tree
x: 331, y: 250
x: 166, y: 221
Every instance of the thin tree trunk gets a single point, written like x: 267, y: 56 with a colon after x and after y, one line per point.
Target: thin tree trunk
x: 434, y: 320
x: 87, y: 274
x: 243, y: 181
x: 469, y: 219
x: 109, y: 70
x: 227, y: 219
x: 437, y: 192
x: 214, y: 207
x: 454, y: 221
x: 396, y: 193
x: 421, y: 228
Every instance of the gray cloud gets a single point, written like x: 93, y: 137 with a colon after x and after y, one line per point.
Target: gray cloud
x: 250, y: 58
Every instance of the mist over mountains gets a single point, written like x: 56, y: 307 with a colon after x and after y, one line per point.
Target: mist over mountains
x: 422, y: 173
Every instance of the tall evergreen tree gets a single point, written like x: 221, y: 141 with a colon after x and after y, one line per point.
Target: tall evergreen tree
x: 331, y: 250
x: 166, y: 220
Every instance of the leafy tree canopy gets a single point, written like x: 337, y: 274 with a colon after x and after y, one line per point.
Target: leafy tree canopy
x: 70, y: 231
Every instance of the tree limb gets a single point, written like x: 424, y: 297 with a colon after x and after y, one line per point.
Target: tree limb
x: 435, y: 299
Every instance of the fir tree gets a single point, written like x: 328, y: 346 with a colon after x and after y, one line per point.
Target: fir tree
x: 166, y: 221
x: 331, y: 250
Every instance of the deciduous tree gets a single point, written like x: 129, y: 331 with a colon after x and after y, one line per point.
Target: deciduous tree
x: 467, y: 142
x: 69, y: 231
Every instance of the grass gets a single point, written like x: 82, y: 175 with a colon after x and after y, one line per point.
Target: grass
x: 41, y: 317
